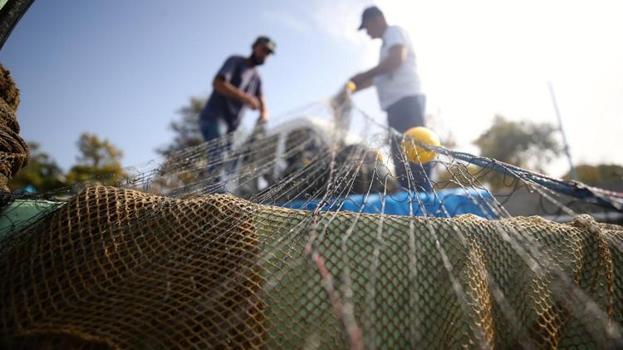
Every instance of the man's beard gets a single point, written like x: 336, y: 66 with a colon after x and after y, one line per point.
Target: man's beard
x: 256, y: 61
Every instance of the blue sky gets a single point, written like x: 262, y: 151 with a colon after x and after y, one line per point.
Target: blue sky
x: 121, y: 69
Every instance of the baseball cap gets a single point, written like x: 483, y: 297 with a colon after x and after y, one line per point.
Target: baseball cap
x: 271, y: 45
x: 368, y: 14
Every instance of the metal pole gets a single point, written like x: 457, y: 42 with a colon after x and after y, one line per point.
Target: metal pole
x: 574, y: 175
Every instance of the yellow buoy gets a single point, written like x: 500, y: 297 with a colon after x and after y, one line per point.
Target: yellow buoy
x: 416, y: 153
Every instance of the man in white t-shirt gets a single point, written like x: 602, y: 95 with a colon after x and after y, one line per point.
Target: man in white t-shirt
x: 398, y: 87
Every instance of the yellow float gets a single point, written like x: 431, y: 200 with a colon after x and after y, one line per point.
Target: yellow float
x: 416, y: 153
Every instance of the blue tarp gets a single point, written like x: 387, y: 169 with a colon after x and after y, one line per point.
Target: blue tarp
x: 454, y: 201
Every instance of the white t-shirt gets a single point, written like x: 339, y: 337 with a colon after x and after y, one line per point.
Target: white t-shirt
x: 403, y: 81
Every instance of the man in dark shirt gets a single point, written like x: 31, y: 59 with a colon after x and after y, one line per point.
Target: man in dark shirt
x: 236, y: 87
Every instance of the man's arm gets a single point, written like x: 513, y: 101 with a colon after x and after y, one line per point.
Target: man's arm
x: 362, y: 85
x: 397, y: 56
x: 263, y: 110
x: 225, y: 88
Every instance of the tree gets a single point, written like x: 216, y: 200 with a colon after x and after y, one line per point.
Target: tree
x: 99, y: 160
x: 186, y: 129
x: 525, y: 144
x: 178, y: 170
x: 41, y: 174
x: 598, y: 175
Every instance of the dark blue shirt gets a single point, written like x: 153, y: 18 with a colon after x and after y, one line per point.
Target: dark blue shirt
x: 237, y: 71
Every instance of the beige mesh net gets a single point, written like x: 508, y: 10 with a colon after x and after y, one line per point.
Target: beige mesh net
x: 13, y: 149
x: 124, y: 269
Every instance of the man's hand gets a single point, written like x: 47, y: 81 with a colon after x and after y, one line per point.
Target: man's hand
x: 251, y: 101
x: 397, y: 56
x: 263, y: 118
x: 362, y: 81
x: 263, y: 111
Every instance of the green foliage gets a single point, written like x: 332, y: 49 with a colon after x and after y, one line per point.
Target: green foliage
x: 598, y: 175
x: 107, y: 174
x: 525, y: 144
x: 97, y: 153
x: 99, y: 161
x: 186, y: 134
x: 186, y: 129
x: 41, y: 172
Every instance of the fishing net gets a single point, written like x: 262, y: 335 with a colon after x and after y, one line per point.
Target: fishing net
x: 13, y: 149
x: 129, y: 269
x: 301, y: 236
